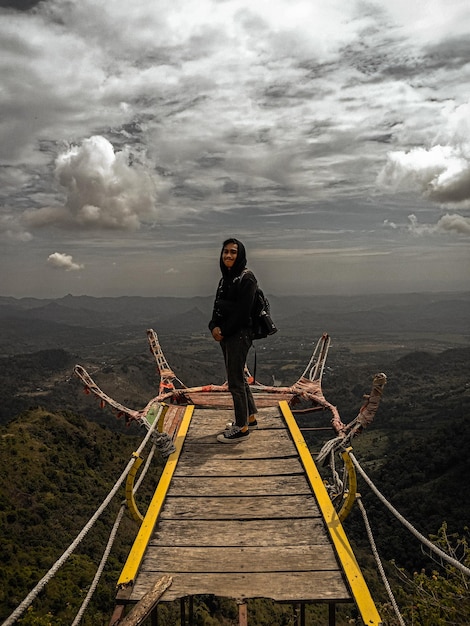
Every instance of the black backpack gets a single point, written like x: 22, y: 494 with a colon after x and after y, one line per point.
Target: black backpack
x: 261, y: 320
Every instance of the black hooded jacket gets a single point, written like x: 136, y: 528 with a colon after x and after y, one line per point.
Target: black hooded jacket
x: 235, y: 295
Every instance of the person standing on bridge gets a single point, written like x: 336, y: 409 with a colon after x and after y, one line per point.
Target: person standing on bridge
x: 231, y: 328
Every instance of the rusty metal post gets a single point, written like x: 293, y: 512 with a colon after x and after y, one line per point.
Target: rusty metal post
x: 118, y: 614
x: 242, y: 614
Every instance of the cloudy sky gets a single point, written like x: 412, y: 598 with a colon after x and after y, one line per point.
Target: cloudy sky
x: 333, y: 138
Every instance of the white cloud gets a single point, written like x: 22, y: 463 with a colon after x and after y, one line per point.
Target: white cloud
x: 104, y: 190
x: 61, y: 261
x: 441, y: 173
x: 455, y: 223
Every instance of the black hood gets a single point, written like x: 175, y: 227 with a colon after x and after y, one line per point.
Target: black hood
x: 240, y: 261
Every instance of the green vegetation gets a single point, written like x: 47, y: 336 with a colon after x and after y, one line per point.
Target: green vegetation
x: 55, y: 472
x: 57, y: 467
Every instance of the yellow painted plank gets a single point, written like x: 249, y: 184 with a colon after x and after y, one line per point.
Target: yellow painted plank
x: 136, y: 554
x: 351, y: 569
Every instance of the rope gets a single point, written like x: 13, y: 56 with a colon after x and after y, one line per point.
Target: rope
x: 58, y: 564
x: 379, y: 562
x: 329, y: 448
x: 112, y: 537
x: 457, y: 564
x: 145, y: 469
x: 165, y: 444
x: 101, y: 566
x: 337, y: 482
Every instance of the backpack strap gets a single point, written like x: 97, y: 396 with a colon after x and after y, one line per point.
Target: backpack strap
x: 244, y: 273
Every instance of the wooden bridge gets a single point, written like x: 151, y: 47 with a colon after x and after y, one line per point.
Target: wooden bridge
x: 249, y: 520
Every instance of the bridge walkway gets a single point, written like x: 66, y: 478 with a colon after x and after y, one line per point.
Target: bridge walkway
x: 243, y: 521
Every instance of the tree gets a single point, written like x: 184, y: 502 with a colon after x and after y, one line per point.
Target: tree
x: 440, y: 598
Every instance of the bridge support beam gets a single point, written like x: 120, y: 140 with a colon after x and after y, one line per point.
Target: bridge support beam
x: 242, y: 614
x: 299, y: 614
x: 190, y: 611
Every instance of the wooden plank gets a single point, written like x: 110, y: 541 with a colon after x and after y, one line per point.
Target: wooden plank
x: 144, y: 607
x: 239, y: 486
x: 211, y: 413
x: 223, y: 399
x: 208, y: 399
x: 267, y: 400
x: 282, y: 587
x: 253, y: 507
x: 257, y: 438
x: 239, y: 532
x: 261, y: 444
x: 173, y: 419
x: 241, y: 559
x: 202, y: 463
x: 210, y: 420
x: 246, y: 450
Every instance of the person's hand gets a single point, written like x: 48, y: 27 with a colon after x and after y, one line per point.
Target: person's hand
x: 217, y: 334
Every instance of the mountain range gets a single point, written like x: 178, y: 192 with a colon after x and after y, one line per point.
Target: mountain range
x: 31, y: 324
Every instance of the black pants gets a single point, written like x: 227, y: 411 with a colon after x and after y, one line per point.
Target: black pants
x: 235, y: 350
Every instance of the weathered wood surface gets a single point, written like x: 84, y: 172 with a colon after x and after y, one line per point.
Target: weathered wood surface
x: 143, y: 609
x: 239, y: 532
x: 241, y: 485
x: 172, y: 420
x: 293, y: 586
x: 241, y: 520
x: 223, y: 400
x: 251, y: 507
x: 197, y: 462
x: 214, y: 420
x: 229, y: 559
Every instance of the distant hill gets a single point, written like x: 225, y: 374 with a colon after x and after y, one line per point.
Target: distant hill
x: 45, y: 379
x: 19, y: 335
x: 424, y: 315
x: 103, y: 312
x: 83, y: 323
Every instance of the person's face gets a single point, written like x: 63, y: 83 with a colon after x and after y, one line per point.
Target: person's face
x: 229, y: 254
